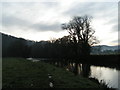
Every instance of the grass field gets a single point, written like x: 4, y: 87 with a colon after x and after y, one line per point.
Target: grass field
x: 21, y: 73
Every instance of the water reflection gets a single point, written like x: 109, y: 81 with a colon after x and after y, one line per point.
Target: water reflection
x: 77, y: 68
x: 85, y: 70
x: 107, y: 75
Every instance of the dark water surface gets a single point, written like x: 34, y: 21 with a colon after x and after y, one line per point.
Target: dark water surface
x: 108, y: 76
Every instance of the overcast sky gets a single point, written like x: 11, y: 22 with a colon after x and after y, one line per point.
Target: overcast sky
x: 42, y: 20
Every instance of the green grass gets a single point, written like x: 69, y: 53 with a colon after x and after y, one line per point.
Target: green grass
x: 21, y: 73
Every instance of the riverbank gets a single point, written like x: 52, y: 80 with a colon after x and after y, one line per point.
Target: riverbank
x: 21, y: 73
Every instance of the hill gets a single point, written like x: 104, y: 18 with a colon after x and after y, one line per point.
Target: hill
x: 104, y: 49
x: 19, y: 47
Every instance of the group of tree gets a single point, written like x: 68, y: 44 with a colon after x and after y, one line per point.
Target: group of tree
x: 18, y: 47
x: 82, y: 35
x: 14, y: 47
x: 77, y: 44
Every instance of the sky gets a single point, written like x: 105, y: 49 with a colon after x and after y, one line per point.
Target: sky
x: 42, y: 20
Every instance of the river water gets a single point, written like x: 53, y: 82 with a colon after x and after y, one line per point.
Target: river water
x: 107, y: 75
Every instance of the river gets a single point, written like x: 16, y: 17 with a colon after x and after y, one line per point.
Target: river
x: 107, y: 75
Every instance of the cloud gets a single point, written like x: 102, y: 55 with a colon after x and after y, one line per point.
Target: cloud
x: 115, y: 41
x: 12, y: 21
x: 46, y: 27
x: 115, y: 28
x: 106, y: 11
x: 51, y: 4
x: 36, y: 16
x: 113, y: 21
x: 48, y: 16
x: 90, y: 8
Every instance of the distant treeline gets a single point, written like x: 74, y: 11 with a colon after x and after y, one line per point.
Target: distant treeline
x: 14, y: 47
x: 18, y: 47
x: 59, y: 48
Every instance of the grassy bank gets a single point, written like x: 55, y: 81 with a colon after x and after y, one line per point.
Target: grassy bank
x: 21, y: 73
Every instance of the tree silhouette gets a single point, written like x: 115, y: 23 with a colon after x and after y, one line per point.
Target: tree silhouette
x: 19, y: 48
x: 81, y: 33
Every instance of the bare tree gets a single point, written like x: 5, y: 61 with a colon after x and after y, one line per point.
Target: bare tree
x: 81, y: 33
